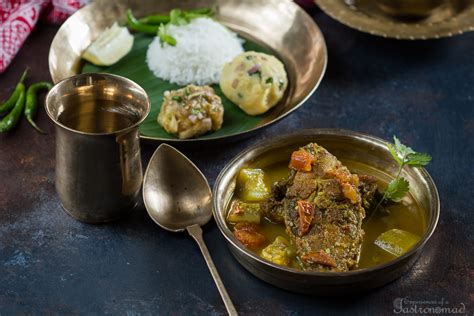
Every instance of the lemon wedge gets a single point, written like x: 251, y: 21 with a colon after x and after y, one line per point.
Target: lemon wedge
x: 114, y: 43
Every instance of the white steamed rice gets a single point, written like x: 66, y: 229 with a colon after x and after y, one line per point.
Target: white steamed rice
x: 203, y: 47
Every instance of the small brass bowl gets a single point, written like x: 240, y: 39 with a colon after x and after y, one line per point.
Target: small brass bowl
x: 409, y: 8
x: 345, y: 145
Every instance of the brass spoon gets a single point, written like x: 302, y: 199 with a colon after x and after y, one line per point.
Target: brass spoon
x: 177, y: 197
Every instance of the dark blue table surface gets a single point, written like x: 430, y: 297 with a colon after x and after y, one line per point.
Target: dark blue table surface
x: 421, y: 91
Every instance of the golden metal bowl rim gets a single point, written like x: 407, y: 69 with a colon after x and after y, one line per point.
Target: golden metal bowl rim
x: 264, y: 145
x: 341, y: 12
x: 315, y: 84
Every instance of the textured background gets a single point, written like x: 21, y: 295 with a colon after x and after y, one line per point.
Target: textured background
x: 421, y: 91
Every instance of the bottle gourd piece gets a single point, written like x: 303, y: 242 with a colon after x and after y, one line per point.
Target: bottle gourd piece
x: 251, y: 186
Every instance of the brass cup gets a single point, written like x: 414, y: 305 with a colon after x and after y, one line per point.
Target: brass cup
x: 98, y: 172
x: 409, y: 8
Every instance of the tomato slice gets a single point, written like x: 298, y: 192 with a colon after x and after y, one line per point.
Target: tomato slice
x: 320, y: 257
x: 301, y: 160
x: 306, y: 214
x: 247, y: 233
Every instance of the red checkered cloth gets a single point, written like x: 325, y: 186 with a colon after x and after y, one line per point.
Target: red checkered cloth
x: 19, y: 17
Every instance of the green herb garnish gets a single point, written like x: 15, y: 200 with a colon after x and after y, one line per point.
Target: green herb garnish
x: 157, y: 24
x: 404, y: 156
x: 258, y: 73
x: 177, y: 17
x: 177, y: 98
x: 165, y: 37
x: 269, y: 80
x: 180, y: 17
x: 196, y: 111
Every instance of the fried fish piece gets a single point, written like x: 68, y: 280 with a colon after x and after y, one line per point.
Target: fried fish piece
x: 322, y: 208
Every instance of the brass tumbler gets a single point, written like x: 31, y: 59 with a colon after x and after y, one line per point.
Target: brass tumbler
x: 98, y: 163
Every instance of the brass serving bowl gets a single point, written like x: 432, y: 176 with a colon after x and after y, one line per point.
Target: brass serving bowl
x: 282, y: 26
x: 345, y: 145
x: 403, y: 19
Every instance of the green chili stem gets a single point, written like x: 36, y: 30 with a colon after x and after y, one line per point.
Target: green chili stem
x: 384, y: 196
x: 11, y: 101
x: 23, y: 75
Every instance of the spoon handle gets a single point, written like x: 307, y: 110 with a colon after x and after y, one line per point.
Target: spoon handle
x: 196, y: 232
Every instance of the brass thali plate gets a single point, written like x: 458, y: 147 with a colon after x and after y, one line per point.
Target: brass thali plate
x: 279, y: 25
x: 452, y: 18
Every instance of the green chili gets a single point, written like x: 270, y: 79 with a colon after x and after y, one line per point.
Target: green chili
x: 155, y: 19
x: 12, y: 118
x: 11, y: 101
x: 203, y: 11
x: 158, y: 19
x: 31, y: 102
x: 136, y: 25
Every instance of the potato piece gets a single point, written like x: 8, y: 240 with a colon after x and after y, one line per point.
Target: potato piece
x: 277, y: 252
x: 396, y: 241
x: 244, y: 212
x: 254, y: 81
x: 250, y: 185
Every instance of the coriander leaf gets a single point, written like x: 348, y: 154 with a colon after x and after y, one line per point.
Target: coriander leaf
x: 404, y: 155
x: 177, y: 17
x: 396, y: 189
x: 402, y: 150
x: 257, y: 73
x: 165, y: 37
x: 394, y: 153
x: 418, y: 159
x: 169, y: 39
x: 161, y: 30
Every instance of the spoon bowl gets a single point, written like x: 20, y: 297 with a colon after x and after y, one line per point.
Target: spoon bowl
x: 177, y: 196
x: 175, y: 192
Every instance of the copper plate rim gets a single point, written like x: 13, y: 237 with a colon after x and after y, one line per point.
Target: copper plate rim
x: 378, y: 142
x: 343, y: 13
